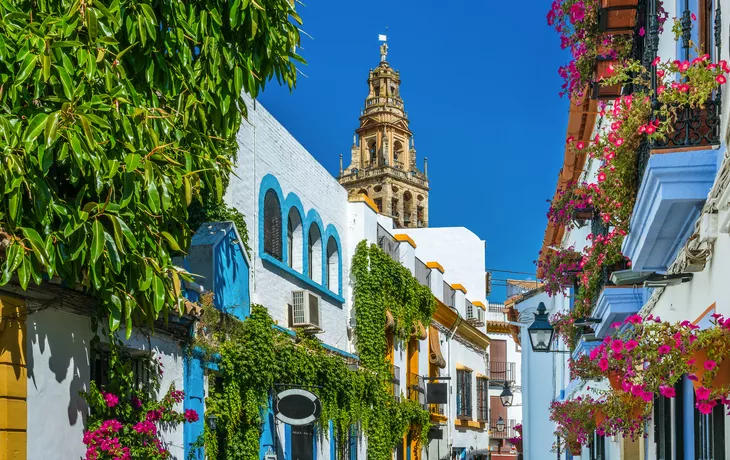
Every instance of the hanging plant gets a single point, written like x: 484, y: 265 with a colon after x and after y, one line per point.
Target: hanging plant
x: 573, y: 203
x: 584, y: 368
x: 559, y: 268
x: 620, y: 414
x: 575, y: 418
x: 709, y: 366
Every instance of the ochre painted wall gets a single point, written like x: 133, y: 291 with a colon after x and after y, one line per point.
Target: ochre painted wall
x: 13, y: 380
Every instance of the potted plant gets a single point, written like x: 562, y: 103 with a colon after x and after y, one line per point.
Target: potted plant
x: 575, y: 419
x: 623, y: 415
x: 583, y: 368
x: 558, y: 268
x: 707, y: 359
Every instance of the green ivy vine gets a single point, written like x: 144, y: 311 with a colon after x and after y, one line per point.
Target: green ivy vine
x: 254, y: 357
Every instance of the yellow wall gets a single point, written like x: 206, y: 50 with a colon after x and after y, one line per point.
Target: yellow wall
x: 13, y: 380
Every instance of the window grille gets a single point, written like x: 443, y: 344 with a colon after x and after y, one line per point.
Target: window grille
x: 272, y: 225
x: 463, y: 394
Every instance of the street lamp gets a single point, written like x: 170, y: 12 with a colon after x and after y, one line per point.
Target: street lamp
x: 541, y: 331
x: 506, y: 396
x: 500, y: 424
x: 212, y: 419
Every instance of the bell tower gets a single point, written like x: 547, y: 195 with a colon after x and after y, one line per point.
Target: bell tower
x: 383, y: 155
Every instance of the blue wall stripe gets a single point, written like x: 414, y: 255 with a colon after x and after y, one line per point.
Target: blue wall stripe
x: 194, y: 397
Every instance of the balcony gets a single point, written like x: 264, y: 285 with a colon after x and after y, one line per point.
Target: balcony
x: 359, y: 174
x: 395, y: 379
x: 673, y: 190
x: 508, y: 432
x: 417, y: 388
x: 495, y: 312
x: 615, y: 304
x: 501, y: 372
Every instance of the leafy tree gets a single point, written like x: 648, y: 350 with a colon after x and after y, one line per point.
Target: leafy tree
x: 114, y: 116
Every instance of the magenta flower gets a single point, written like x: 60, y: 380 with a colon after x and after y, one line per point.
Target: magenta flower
x: 603, y: 364
x: 721, y: 79
x: 631, y: 344
x: 702, y: 393
x: 710, y: 364
x: 664, y: 349
x: 704, y: 407
x: 617, y: 345
x: 656, y: 60
x: 111, y: 400
x: 667, y: 392
x: 191, y: 416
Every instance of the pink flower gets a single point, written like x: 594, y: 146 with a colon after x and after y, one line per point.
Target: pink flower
x: 664, y: 349
x: 656, y: 60
x: 667, y: 392
x: 111, y: 400
x: 631, y: 344
x: 617, y: 345
x: 702, y: 393
x: 661, y: 89
x: 603, y: 364
x: 693, y: 16
x: 641, y: 32
x: 601, y: 177
x: 721, y: 79
x: 594, y: 353
x: 704, y: 407
x: 616, y: 325
x: 580, y: 145
x: 710, y: 364
x: 191, y: 416
x: 647, y: 396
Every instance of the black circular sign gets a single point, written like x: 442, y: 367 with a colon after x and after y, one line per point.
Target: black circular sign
x: 297, y: 407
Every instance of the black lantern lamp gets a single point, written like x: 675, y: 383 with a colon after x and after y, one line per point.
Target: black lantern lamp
x: 506, y: 396
x: 541, y: 331
x: 212, y: 419
x: 500, y: 424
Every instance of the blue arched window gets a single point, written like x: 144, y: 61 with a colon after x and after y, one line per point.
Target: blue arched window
x: 272, y: 225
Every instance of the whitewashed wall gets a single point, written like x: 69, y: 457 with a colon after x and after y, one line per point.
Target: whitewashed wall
x: 57, y: 348
x: 266, y: 147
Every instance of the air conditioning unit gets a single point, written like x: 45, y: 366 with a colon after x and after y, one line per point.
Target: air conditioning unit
x: 304, y: 310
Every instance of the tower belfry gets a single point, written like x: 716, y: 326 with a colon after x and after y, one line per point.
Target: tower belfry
x: 383, y: 162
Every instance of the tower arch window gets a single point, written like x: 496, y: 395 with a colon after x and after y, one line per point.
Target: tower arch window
x: 333, y: 273
x: 272, y: 225
x: 372, y: 150
x: 294, y: 240
x: 314, y: 253
x: 398, y: 156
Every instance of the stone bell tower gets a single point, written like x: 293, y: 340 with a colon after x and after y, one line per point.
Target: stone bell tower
x: 383, y: 163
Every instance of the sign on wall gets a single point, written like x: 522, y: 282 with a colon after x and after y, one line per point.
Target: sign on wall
x: 297, y: 407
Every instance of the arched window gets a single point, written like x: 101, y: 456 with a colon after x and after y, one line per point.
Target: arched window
x: 294, y: 240
x: 373, y: 154
x: 314, y: 252
x: 333, y: 274
x: 398, y: 156
x: 272, y: 225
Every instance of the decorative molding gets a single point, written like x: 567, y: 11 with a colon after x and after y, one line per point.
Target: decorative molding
x: 615, y: 304
x: 435, y: 265
x: 402, y: 237
x: 458, y: 287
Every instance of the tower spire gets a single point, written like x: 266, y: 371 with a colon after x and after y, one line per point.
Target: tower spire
x: 383, y: 164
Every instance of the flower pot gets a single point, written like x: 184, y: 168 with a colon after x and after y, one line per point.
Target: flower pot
x: 615, y: 380
x: 617, y: 16
x: 603, y: 70
x: 722, y: 374
x: 600, y: 417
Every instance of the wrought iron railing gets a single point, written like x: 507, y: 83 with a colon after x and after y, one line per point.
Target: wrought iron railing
x: 449, y: 294
x: 423, y: 273
x: 417, y: 388
x: 501, y: 372
x: 412, y: 176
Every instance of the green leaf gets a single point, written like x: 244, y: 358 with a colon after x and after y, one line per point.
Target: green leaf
x: 68, y: 89
x: 24, y: 273
x: 36, y: 243
x: 158, y: 290
x: 51, y: 132
x: 132, y: 161
x: 115, y: 313
x: 92, y: 25
x: 35, y: 127
x: 26, y: 68
x: 111, y: 251
x: 153, y: 197
x: 171, y: 241
x: 12, y: 262
x: 97, y: 242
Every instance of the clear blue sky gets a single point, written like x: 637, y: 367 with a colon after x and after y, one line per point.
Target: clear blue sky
x: 480, y: 85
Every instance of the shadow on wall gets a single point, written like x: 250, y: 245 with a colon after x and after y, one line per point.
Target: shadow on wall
x: 63, y: 338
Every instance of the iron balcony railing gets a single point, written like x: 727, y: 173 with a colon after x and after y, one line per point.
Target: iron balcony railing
x: 495, y: 312
x: 448, y: 295
x: 412, y: 176
x: 508, y: 432
x: 423, y: 273
x: 387, y: 243
x: 501, y: 372
x: 395, y: 378
x: 417, y: 389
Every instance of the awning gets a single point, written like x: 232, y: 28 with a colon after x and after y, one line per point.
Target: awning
x: 435, y: 356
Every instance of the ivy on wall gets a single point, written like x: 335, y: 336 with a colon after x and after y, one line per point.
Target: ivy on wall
x: 381, y: 284
x: 254, y: 357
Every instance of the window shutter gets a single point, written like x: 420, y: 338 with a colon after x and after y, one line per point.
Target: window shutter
x: 272, y: 225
